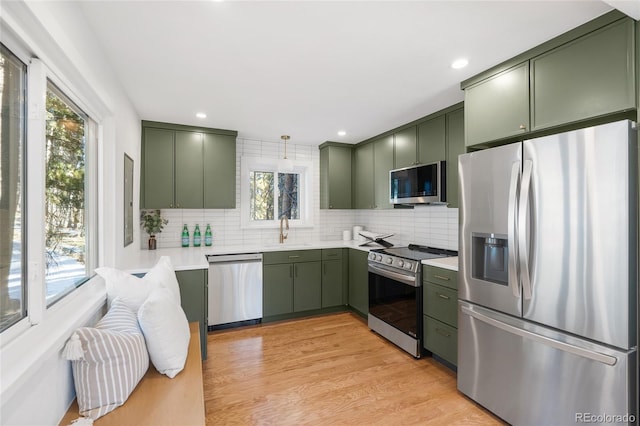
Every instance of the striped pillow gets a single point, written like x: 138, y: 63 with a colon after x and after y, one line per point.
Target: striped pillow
x: 111, y: 361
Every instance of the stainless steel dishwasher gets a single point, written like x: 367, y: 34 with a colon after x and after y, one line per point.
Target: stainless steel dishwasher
x: 235, y: 289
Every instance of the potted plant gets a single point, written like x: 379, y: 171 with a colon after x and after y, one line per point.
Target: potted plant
x: 152, y: 222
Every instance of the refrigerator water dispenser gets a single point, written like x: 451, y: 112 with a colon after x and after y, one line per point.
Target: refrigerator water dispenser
x: 489, y: 257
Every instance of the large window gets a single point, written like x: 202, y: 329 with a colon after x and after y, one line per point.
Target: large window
x: 65, y: 189
x: 272, y: 191
x: 48, y: 169
x: 13, y: 73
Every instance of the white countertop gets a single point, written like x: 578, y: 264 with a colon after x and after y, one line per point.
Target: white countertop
x: 450, y: 263
x: 188, y: 258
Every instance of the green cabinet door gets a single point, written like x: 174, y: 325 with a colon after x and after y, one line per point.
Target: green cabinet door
x: 589, y: 77
x: 455, y: 147
x: 383, y: 163
x: 441, y: 339
x: 277, y: 292
x: 432, y: 140
x: 363, y: 177
x: 189, y: 170
x: 307, y: 286
x: 193, y: 295
x: 498, y: 107
x: 335, y: 176
x: 158, y: 165
x: 405, y: 147
x: 219, y: 171
x: 332, y: 284
x: 358, y: 281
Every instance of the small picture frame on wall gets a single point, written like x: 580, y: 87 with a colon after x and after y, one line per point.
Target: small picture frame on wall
x: 128, y: 200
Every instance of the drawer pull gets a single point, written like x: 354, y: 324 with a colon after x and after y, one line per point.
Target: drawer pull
x: 442, y: 332
x: 443, y: 296
x: 440, y: 277
x: 293, y: 257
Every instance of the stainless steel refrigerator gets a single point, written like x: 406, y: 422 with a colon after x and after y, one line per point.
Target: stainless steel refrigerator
x: 548, y: 292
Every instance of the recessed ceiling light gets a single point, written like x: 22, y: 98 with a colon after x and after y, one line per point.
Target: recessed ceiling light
x: 342, y: 133
x: 459, y: 63
x: 201, y: 115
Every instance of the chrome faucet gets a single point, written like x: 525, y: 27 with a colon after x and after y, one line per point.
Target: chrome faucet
x: 283, y: 236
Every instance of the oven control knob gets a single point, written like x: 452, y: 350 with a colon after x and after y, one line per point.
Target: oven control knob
x: 408, y: 265
x: 389, y: 261
x: 372, y: 256
x: 379, y: 257
x: 401, y: 263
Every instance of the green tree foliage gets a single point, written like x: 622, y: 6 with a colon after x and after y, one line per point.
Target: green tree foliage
x: 65, y: 178
x: 262, y: 186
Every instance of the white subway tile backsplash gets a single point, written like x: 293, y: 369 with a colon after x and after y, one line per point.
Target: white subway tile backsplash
x: 435, y: 226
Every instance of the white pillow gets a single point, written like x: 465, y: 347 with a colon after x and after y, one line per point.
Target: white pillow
x: 133, y: 290
x: 166, y: 331
x: 107, y: 361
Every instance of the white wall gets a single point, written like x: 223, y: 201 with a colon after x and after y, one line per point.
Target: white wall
x: 56, y: 33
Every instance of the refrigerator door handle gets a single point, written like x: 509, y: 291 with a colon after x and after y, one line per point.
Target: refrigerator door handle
x: 576, y: 350
x: 523, y: 243
x: 512, y: 231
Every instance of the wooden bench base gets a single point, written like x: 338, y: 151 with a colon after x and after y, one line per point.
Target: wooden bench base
x: 159, y: 400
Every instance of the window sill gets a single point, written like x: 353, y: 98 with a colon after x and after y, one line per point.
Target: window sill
x: 21, y: 357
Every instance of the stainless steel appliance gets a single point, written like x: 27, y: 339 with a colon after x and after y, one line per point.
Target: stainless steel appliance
x: 395, y: 293
x: 235, y: 289
x: 425, y: 183
x: 547, y: 320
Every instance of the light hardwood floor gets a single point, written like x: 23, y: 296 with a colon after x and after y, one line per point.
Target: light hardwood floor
x: 327, y: 370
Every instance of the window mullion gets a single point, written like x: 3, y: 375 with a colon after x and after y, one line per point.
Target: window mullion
x: 36, y: 161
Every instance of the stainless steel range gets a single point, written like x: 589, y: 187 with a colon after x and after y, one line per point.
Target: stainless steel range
x: 395, y: 293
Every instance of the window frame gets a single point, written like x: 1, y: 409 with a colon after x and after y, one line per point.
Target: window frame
x: 303, y: 168
x: 33, y: 187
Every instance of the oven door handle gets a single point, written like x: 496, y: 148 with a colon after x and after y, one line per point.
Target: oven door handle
x: 405, y: 279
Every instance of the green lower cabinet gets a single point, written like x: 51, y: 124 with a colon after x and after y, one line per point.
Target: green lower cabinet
x: 307, y: 286
x: 441, y: 339
x: 359, y: 281
x: 277, y: 293
x: 332, y: 283
x: 193, y: 295
x: 441, y: 303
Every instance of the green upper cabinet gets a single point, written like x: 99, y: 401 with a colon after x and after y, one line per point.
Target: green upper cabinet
x: 189, y: 171
x: 335, y: 175
x: 588, y: 77
x: 498, y: 107
x: 363, y: 177
x: 382, y: 164
x: 455, y: 147
x: 187, y: 167
x: 157, y: 168
x: 432, y: 140
x: 405, y: 148
x: 219, y: 171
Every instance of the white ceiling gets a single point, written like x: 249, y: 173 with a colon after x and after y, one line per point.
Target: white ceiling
x: 311, y: 68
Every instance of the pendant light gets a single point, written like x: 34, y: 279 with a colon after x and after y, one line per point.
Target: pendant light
x: 285, y: 164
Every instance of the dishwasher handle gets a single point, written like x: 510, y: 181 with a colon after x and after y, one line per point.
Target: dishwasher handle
x: 234, y: 258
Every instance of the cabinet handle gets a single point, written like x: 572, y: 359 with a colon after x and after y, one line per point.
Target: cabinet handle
x: 443, y: 296
x: 330, y: 207
x: 293, y: 257
x: 171, y: 205
x: 523, y: 127
x: 442, y: 332
x: 440, y: 277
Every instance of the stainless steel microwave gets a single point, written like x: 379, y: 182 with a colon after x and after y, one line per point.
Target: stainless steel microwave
x: 422, y: 184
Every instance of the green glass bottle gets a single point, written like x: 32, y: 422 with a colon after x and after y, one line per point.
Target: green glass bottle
x: 208, y: 236
x: 185, y: 236
x: 196, y: 236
